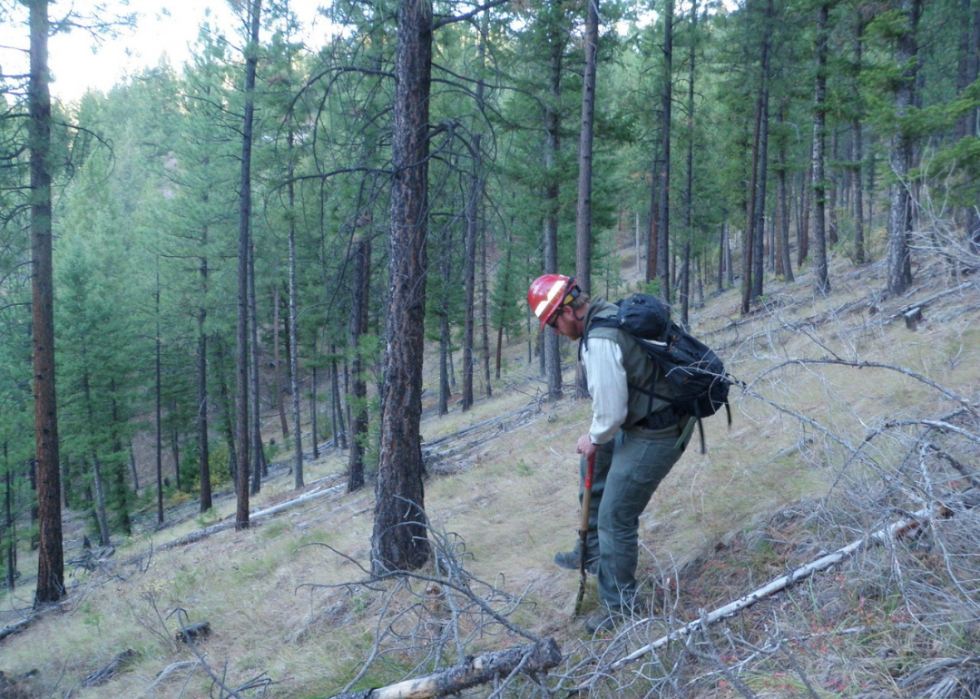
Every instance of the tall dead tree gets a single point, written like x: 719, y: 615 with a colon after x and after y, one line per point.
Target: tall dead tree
x: 399, y: 541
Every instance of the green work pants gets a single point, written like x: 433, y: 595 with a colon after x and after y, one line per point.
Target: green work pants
x: 628, y: 470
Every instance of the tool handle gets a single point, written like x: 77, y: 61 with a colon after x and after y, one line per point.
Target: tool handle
x: 589, y: 471
x: 587, y: 498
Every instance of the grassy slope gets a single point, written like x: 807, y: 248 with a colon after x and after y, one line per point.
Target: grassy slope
x: 512, y: 500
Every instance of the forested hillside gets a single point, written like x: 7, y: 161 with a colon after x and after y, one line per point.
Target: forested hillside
x: 281, y: 248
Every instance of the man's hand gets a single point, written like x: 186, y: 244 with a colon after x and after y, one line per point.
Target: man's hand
x: 585, y: 447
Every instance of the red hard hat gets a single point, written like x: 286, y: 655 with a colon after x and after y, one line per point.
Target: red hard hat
x: 548, y: 293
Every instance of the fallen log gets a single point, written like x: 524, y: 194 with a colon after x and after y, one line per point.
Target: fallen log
x: 895, y: 530
x: 199, y: 534
x: 470, y: 672
x: 109, y: 671
x: 16, y: 627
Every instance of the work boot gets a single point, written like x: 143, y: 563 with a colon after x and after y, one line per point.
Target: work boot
x: 603, y: 619
x: 569, y: 560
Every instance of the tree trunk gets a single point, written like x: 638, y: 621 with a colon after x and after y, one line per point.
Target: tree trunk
x: 226, y: 410
x: 469, y: 277
x: 762, y: 164
x: 481, y: 219
x: 97, y: 482
x: 294, y: 334
x: 663, y: 217
x: 689, y: 185
x: 51, y: 565
x: 552, y: 127
x: 254, y: 376
x: 685, y: 285
x: 784, y: 265
x: 832, y: 185
x: 821, y: 281
x: 857, y: 182
x: 484, y: 302
x: 900, y: 199
x: 399, y: 541
x: 202, y: 401
x: 244, y: 227
x: 358, y: 326
x: 339, y: 429
x: 277, y: 361
x: 10, y: 555
x: 314, y: 430
x: 583, y: 209
x: 158, y: 396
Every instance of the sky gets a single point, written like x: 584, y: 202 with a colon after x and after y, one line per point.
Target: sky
x: 164, y: 27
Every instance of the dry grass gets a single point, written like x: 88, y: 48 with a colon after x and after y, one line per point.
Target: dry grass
x: 781, y: 486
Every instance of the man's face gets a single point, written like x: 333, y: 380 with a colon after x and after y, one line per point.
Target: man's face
x: 565, y: 323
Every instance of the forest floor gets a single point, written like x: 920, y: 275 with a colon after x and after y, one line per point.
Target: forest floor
x: 853, y: 415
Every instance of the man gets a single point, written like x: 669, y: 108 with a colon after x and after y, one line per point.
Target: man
x: 636, y: 438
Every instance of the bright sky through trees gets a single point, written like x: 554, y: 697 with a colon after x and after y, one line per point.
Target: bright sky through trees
x: 164, y: 28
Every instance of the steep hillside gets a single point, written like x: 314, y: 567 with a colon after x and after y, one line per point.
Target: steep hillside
x: 853, y: 416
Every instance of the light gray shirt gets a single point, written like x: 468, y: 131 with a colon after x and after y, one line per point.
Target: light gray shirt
x: 606, y: 378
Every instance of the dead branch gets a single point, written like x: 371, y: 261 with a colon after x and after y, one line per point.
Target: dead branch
x: 885, y: 534
x: 470, y: 672
x: 166, y: 672
x: 952, y: 395
x: 260, y: 514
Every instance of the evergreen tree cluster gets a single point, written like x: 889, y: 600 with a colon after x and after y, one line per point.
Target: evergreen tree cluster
x: 735, y: 144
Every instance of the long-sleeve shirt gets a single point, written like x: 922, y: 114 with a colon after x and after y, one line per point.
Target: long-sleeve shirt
x: 606, y: 377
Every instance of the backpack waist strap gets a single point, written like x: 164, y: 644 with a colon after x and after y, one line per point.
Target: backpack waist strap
x: 660, y: 420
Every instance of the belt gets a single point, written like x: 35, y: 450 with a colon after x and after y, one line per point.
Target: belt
x: 659, y: 420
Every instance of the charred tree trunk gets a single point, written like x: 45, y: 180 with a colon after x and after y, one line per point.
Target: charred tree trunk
x: 399, y: 541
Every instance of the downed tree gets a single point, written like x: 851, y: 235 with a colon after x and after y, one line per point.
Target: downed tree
x: 898, y: 529
x: 16, y: 627
x: 471, y: 671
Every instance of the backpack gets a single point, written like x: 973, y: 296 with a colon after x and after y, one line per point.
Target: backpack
x: 695, y: 374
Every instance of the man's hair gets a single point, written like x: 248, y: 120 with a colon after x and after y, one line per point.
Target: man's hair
x: 580, y: 301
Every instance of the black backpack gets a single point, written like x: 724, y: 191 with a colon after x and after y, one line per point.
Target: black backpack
x: 696, y: 376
